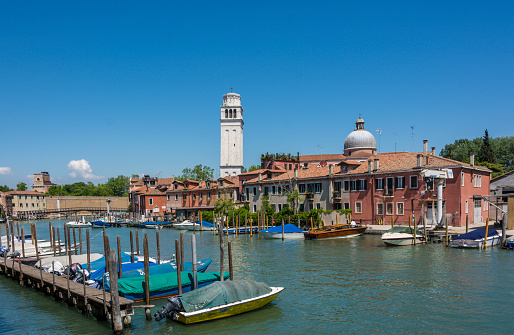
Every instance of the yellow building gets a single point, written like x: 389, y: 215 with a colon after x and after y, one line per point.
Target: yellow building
x: 26, y: 204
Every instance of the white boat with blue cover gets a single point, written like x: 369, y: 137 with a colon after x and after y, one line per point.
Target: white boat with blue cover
x: 476, y: 239
x: 205, y: 225
x: 290, y: 231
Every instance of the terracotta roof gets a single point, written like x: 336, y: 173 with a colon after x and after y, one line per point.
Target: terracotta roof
x: 24, y: 193
x: 319, y: 158
x: 160, y: 181
x: 311, y: 172
x: 256, y: 172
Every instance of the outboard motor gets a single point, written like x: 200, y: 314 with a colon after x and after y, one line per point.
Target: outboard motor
x: 174, y: 305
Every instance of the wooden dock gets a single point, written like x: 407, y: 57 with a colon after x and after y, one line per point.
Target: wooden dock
x: 87, y: 299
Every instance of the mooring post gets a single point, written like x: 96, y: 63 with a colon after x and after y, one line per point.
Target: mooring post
x: 486, y: 231
x: 18, y: 230
x: 447, y: 242
x: 179, y: 273
x: 230, y: 271
x: 181, y: 251
x: 147, y: 276
x: 59, y: 240
x: 53, y: 279
x: 195, y: 277
x: 0, y: 236
x: 88, y: 252
x: 22, y: 244
x: 80, y: 240
x: 50, y: 231
x: 221, y: 247
x: 53, y: 241
x: 131, y: 247
x: 282, y: 229
x: 158, y: 248
x: 467, y: 223
x: 35, y: 240
x: 117, y: 324
x: 12, y: 236
x: 504, y: 228
x: 7, y: 234
x: 137, y: 243
x: 74, y: 241
x: 119, y: 258
x: 106, y: 251
x: 65, y: 239
x: 68, y: 247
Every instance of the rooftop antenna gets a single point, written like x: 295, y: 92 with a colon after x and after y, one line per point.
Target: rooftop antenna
x: 379, y: 132
x: 231, y: 90
x: 159, y: 174
x: 394, y: 142
x: 412, y: 137
x: 321, y: 149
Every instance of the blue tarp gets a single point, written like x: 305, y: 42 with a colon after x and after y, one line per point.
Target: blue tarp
x: 476, y: 234
x: 288, y: 228
x: 205, y: 223
x: 97, y: 275
x: 157, y: 269
x: 125, y: 258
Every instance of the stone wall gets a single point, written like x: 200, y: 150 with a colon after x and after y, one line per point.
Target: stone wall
x: 70, y: 202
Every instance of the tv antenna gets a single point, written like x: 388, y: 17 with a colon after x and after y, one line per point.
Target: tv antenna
x: 394, y: 142
x: 379, y: 132
x: 321, y: 149
x: 412, y: 137
x: 159, y: 174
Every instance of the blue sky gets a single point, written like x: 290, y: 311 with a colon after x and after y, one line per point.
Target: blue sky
x: 127, y: 87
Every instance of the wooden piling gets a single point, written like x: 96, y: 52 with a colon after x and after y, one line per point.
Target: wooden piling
x: 120, y: 275
x: 88, y: 252
x: 231, y: 272
x: 446, y: 236
x: 59, y: 240
x: 117, y: 324
x: 312, y: 224
x: 22, y: 244
x: 50, y: 232
x: 80, y: 240
x: 12, y: 236
x: 147, y: 270
x: 75, y: 242
x: 131, y: 247
x: 181, y: 251
x: 107, y: 248
x: 18, y: 229
x: 195, y: 276
x: 7, y: 234
x: 410, y: 221
x: 68, y: 247
x: 220, y: 233
x: 53, y: 241
x: 467, y: 223
x: 137, y: 243
x: 158, y: 247
x: 282, y: 229
x: 486, y: 231
x: 179, y: 272
x: 35, y: 240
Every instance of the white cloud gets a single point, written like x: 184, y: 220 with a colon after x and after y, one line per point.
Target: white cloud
x: 5, y: 170
x: 82, y: 169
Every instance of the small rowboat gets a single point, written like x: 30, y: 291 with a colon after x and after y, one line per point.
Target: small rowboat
x: 218, y: 300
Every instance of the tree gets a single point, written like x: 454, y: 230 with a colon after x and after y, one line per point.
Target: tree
x: 252, y: 168
x: 119, y: 186
x: 223, y: 206
x: 199, y: 172
x: 5, y: 188
x: 21, y: 186
x: 486, y: 152
x: 266, y: 207
x: 294, y: 198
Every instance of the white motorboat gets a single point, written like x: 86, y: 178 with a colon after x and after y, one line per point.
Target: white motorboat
x: 398, y: 236
x: 291, y: 231
x: 183, y: 225
x: 78, y: 224
x: 476, y: 239
x: 196, y: 226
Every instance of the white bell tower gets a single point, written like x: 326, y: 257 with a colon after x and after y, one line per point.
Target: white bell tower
x: 231, y: 153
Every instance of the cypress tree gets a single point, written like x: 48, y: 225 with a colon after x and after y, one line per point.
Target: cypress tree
x: 486, y: 152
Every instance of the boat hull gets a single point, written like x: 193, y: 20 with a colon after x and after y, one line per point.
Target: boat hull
x: 78, y: 225
x: 227, y: 310
x: 395, y: 239
x: 272, y: 235
x: 477, y: 244
x: 198, y: 228
x: 334, y: 232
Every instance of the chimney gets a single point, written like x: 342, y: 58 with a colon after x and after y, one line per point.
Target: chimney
x: 259, y: 177
x: 472, y: 159
x: 433, y: 151
x: 330, y: 170
x: 295, y: 173
x: 425, y: 147
x: 376, y: 161
x: 418, y: 161
x: 370, y: 164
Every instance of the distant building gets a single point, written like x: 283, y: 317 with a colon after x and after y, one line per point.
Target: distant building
x: 26, y: 204
x: 42, y: 182
x: 501, y: 186
x: 231, y: 150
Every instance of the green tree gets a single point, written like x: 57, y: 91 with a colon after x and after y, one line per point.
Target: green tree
x: 293, y: 199
x: 252, y: 168
x: 199, y: 172
x: 486, y: 152
x: 5, y: 188
x: 223, y: 206
x: 266, y: 207
x: 119, y: 186
x: 21, y: 186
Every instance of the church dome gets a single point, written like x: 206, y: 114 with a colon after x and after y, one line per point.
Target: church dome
x: 360, y: 139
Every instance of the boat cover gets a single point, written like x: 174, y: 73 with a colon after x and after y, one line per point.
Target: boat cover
x: 404, y: 230
x: 100, y: 262
x: 156, y: 269
x: 205, y: 223
x: 163, y: 282
x: 288, y: 228
x: 476, y: 234
x: 126, y: 268
x: 222, y: 293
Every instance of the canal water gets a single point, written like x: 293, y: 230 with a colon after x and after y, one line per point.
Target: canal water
x: 352, y: 285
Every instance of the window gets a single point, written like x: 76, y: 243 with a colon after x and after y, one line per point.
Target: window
x: 361, y: 184
x: 184, y: 197
x: 231, y: 195
x: 318, y: 205
x: 150, y: 201
x: 462, y: 180
x: 219, y: 195
x: 201, y: 196
x: 379, y: 184
x: 32, y: 204
x: 380, y: 208
x: 226, y: 114
x: 400, y: 182
x: 346, y: 185
x: 346, y: 205
x: 247, y: 191
x: 266, y: 190
x: 413, y: 182
x: 301, y: 188
x: 279, y: 190
x: 279, y: 207
x: 21, y: 205
x: 168, y: 197
x: 389, y: 186
x: 235, y: 114
x: 358, y: 207
x: 176, y: 197
x: 337, y: 186
x: 311, y: 207
x: 353, y: 185
x: 208, y: 196
x: 194, y: 197
x: 302, y: 207
x: 255, y: 208
x: 255, y: 191
x: 389, y: 208
x: 310, y: 188
x: 466, y: 207
x: 318, y: 187
x: 399, y: 208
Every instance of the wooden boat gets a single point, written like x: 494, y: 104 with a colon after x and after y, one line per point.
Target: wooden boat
x: 398, y: 236
x: 337, y: 231
x: 218, y: 300
x: 476, y: 239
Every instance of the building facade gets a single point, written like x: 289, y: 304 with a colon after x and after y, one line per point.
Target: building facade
x: 26, y: 204
x: 231, y: 151
x: 42, y: 182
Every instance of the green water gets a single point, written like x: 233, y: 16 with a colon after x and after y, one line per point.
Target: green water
x: 353, y: 285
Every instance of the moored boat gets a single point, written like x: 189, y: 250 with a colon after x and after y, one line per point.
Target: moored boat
x: 183, y: 225
x: 337, y: 231
x: 476, y: 239
x: 78, y: 224
x: 218, y: 300
x: 204, y: 225
x: 398, y: 236
x: 290, y: 231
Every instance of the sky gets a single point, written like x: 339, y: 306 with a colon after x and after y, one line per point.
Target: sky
x: 92, y: 90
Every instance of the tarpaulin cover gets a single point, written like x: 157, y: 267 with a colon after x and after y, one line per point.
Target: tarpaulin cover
x: 125, y: 258
x: 157, y: 269
x: 476, y: 234
x: 288, y: 228
x: 126, y: 267
x: 205, y: 223
x: 163, y: 282
x: 222, y: 293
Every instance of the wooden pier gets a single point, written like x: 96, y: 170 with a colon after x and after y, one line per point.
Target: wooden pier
x: 87, y: 299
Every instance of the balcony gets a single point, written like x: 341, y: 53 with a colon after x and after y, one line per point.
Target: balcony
x: 309, y: 196
x: 336, y: 194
